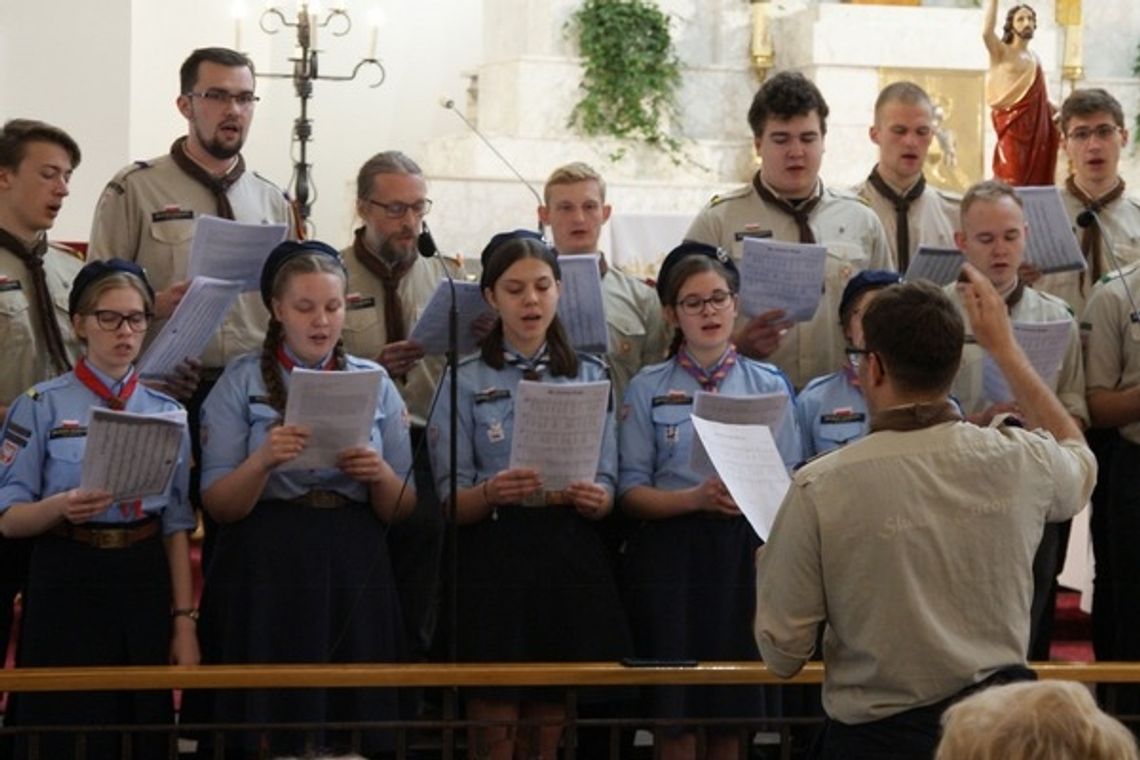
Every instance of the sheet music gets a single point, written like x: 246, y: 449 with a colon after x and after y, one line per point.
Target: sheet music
x: 131, y: 455
x: 749, y: 464
x: 580, y: 305
x: 558, y: 430
x: 230, y: 250
x: 937, y: 265
x: 1045, y: 343
x: 338, y: 409
x: 195, y: 320
x: 1051, y: 245
x: 430, y: 330
x: 780, y: 275
x: 761, y: 409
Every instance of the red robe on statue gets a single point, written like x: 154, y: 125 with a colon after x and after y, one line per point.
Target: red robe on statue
x: 1027, y: 138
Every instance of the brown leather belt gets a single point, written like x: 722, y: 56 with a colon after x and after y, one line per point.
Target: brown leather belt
x: 545, y: 499
x: 321, y: 500
x: 108, y: 536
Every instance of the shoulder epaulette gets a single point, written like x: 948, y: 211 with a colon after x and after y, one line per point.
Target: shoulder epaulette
x: 271, y: 183
x: 815, y: 458
x: 948, y: 196
x: 1115, y: 274
x: 65, y: 249
x: 1056, y: 301
x: 116, y: 182
x: 846, y: 193
x: 1134, y: 201
x: 32, y: 393
x: 729, y: 195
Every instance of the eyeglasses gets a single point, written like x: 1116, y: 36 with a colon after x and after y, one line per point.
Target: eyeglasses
x: 855, y: 355
x: 694, y: 305
x: 397, y: 210
x: 1101, y: 132
x: 223, y: 98
x: 111, y: 321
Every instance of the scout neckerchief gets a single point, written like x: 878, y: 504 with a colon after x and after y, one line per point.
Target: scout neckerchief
x: 799, y: 212
x: 389, y: 277
x: 902, y: 205
x: 532, y: 367
x: 116, y: 401
x: 288, y: 364
x: 45, y: 310
x: 915, y: 416
x: 709, y: 379
x: 1090, y: 237
x: 219, y: 186
x: 1014, y: 297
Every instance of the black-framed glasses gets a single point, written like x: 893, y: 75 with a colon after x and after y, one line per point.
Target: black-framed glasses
x: 396, y: 209
x: 855, y: 355
x: 109, y: 320
x: 223, y: 98
x: 694, y: 305
x: 1101, y: 132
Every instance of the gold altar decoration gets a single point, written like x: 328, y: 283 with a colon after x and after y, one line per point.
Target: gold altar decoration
x: 1068, y: 13
x: 763, y: 56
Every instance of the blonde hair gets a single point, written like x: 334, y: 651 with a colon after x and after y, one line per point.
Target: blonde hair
x: 1037, y: 720
x: 571, y: 174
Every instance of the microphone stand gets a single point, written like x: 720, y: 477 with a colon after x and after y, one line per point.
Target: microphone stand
x: 1089, y: 217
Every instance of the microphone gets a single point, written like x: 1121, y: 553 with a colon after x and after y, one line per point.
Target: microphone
x: 425, y: 243
x: 449, y: 104
x: 1087, y: 218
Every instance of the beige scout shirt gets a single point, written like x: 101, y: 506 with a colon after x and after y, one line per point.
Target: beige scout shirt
x: 855, y: 241
x: 147, y: 213
x: 639, y: 334
x: 26, y: 358
x: 1121, y: 220
x: 932, y: 217
x: 1033, y: 307
x: 1112, y: 348
x: 916, y: 548
x: 365, y: 330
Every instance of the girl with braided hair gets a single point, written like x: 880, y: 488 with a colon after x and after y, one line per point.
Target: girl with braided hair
x: 300, y: 571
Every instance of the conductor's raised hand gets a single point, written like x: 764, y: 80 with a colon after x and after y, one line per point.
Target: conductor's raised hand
x: 986, y: 311
x: 283, y: 444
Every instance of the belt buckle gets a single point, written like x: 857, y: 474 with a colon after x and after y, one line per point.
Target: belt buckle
x: 555, y: 498
x: 115, y: 538
x: 325, y: 499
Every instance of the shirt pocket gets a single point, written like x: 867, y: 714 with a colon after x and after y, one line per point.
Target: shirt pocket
x: 844, y: 261
x: 362, y: 333
x: 262, y: 418
x: 15, y: 318
x: 169, y: 237
x: 627, y: 340
x: 493, y: 421
x: 672, y: 435
x: 65, y: 463
x: 835, y: 434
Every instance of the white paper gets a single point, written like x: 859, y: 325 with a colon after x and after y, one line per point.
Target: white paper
x: 1051, y: 245
x: 581, y: 307
x: 558, y: 430
x: 131, y: 455
x: 750, y: 466
x: 195, y: 320
x: 1045, y: 343
x: 760, y: 409
x: 430, y: 330
x: 338, y: 409
x: 780, y: 275
x: 937, y: 265
x: 230, y: 250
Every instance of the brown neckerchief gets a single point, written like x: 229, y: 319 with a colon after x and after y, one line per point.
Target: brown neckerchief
x: 1014, y: 297
x: 915, y: 416
x: 799, y: 212
x: 902, y: 205
x: 219, y: 186
x: 603, y: 267
x: 34, y: 260
x: 1091, y: 237
x: 389, y: 277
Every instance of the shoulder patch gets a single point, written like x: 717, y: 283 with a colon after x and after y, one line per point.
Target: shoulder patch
x: 33, y: 394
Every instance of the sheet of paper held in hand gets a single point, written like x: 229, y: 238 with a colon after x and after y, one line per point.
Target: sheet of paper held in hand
x: 230, y: 250
x: 580, y: 306
x: 558, y: 430
x: 1045, y: 343
x: 750, y: 466
x: 338, y: 408
x: 195, y: 320
x: 761, y: 409
x: 937, y: 265
x: 430, y: 330
x: 1051, y: 245
x: 779, y: 275
x: 131, y: 455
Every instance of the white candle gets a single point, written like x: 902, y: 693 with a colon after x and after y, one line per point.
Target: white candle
x: 375, y: 20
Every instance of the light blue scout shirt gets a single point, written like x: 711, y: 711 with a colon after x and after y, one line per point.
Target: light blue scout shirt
x: 657, y: 430
x: 831, y: 412
x: 236, y: 418
x: 486, y: 422
x: 45, y: 435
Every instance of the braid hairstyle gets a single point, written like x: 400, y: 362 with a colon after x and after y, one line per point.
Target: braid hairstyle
x: 271, y: 373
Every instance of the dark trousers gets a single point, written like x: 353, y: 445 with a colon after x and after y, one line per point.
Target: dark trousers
x: 1103, y: 443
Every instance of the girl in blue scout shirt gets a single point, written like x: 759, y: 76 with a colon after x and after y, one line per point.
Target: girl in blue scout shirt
x: 831, y: 410
x: 687, y: 571
x: 109, y: 583
x: 300, y: 571
x: 534, y: 583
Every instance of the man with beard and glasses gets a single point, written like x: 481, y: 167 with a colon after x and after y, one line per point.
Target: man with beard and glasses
x: 1027, y: 136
